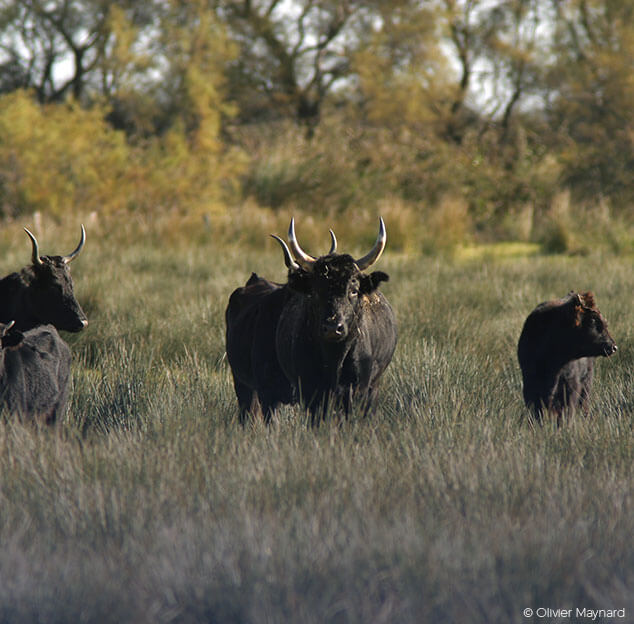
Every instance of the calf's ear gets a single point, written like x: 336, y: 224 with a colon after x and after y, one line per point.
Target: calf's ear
x: 370, y: 283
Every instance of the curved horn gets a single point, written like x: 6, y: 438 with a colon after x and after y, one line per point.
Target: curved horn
x: 35, y: 256
x: 333, y: 246
x: 71, y: 256
x: 288, y: 259
x: 375, y: 253
x: 303, y: 259
x: 4, y: 328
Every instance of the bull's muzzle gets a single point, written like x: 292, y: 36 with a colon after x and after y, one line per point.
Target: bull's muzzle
x: 333, y: 330
x: 77, y: 324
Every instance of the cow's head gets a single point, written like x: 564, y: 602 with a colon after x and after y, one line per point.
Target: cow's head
x: 590, y: 328
x: 335, y: 283
x: 50, y: 297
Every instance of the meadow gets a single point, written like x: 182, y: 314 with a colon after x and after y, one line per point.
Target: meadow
x: 150, y: 504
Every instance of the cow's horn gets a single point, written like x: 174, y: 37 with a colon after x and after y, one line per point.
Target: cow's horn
x: 369, y: 259
x: 71, y: 256
x: 303, y: 259
x: 333, y: 246
x: 35, y: 257
x: 288, y: 259
x: 4, y: 328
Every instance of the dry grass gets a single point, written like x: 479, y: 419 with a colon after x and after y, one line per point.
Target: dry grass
x: 151, y: 504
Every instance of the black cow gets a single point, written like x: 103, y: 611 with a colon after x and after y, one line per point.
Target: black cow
x: 251, y: 323
x: 336, y: 333
x: 556, y: 352
x: 42, y: 292
x: 34, y: 373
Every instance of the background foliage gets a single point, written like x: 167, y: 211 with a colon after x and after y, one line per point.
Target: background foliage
x: 182, y: 134
x: 194, y: 108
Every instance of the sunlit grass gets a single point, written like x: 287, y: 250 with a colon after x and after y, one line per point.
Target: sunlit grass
x: 496, y: 251
x: 151, y: 504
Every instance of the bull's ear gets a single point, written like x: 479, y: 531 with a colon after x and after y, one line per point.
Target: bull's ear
x: 301, y: 281
x: 370, y: 283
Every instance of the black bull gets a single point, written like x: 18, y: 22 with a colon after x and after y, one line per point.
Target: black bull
x: 42, y: 292
x: 323, y: 338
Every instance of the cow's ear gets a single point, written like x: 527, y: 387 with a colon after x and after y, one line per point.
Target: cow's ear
x: 300, y: 281
x: 370, y: 283
x: 12, y: 340
x: 575, y: 309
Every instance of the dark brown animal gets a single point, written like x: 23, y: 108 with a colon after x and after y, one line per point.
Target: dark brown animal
x: 42, y: 292
x: 556, y: 351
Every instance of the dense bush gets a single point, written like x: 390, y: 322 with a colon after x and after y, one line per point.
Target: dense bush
x: 64, y: 158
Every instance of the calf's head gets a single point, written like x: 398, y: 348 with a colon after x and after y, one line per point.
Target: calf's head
x: 49, y: 296
x: 335, y: 283
x: 589, y: 326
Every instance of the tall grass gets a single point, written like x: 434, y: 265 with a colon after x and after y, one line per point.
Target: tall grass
x: 151, y: 504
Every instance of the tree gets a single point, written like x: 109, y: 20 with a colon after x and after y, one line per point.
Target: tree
x: 292, y: 54
x: 52, y: 46
x: 591, y: 94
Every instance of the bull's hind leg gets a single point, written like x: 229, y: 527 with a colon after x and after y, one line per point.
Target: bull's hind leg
x: 247, y: 400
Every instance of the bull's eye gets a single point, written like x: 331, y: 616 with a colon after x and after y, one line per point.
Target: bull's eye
x: 354, y: 291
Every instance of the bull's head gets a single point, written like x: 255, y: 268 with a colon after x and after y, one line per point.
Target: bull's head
x: 335, y: 283
x: 50, y: 294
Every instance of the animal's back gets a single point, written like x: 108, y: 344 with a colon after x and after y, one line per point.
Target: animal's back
x: 36, y: 382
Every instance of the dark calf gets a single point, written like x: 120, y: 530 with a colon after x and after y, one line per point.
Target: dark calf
x: 556, y: 352
x: 42, y: 292
x: 34, y: 373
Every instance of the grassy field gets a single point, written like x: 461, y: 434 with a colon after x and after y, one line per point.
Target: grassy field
x: 150, y: 504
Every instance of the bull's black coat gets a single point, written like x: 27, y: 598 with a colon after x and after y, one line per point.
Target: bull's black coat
x: 251, y: 318
x: 34, y: 374
x: 336, y: 335
x: 323, y: 338
x: 556, y: 352
x: 42, y: 293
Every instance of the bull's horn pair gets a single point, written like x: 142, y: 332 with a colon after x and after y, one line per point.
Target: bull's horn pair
x: 288, y: 258
x: 306, y: 261
x: 35, y: 258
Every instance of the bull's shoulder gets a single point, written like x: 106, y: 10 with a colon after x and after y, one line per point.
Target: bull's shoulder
x: 375, y: 298
x: 254, y: 279
x: 376, y: 304
x: 254, y: 295
x: 379, y: 319
x: 9, y: 289
x: 254, y: 288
